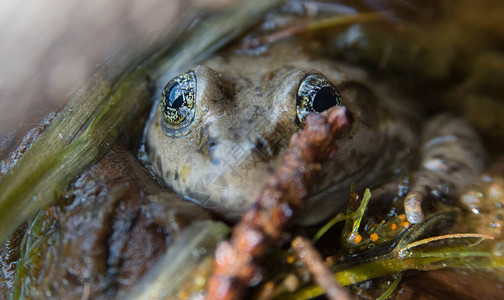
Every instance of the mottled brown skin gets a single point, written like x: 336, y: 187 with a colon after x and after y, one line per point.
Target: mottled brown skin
x: 245, y: 113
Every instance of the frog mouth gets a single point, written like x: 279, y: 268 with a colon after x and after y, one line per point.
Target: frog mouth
x: 339, y: 191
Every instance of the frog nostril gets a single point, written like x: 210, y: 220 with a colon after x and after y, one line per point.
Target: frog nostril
x: 262, y: 146
x: 211, y: 144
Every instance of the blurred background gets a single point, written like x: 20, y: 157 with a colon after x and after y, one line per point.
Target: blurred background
x: 49, y: 48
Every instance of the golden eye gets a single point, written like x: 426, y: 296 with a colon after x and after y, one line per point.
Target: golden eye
x: 316, y: 94
x: 177, y: 99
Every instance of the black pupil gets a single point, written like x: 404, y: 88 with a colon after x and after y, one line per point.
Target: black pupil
x: 176, y: 96
x: 325, y: 98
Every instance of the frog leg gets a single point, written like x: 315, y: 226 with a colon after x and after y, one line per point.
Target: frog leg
x: 451, y: 156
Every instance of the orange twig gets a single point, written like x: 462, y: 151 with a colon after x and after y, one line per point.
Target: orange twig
x: 262, y: 225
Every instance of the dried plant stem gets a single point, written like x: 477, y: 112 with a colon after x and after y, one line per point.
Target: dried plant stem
x: 314, y: 25
x: 321, y: 273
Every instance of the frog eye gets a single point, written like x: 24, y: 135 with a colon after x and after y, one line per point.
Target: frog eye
x: 316, y: 94
x: 177, y: 99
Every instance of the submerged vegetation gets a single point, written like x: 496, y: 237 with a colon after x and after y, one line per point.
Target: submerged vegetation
x: 406, y: 252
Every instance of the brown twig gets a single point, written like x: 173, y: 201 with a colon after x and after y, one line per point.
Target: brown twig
x: 262, y: 225
x: 321, y: 273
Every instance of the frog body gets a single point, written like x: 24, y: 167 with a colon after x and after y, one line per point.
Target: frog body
x: 224, y: 126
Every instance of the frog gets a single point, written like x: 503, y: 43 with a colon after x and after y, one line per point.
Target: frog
x: 222, y: 127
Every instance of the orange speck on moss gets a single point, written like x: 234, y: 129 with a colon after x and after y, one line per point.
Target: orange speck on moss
x: 405, y: 224
x: 357, y: 238
x: 290, y: 259
x: 393, y: 226
x: 374, y: 237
